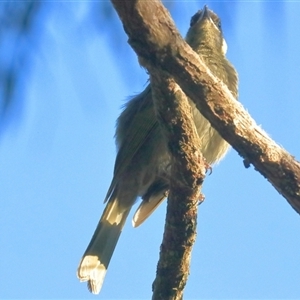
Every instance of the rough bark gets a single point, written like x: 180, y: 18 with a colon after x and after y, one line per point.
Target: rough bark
x: 187, y: 174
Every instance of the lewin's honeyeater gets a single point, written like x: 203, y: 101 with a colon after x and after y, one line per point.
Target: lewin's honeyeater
x: 141, y: 167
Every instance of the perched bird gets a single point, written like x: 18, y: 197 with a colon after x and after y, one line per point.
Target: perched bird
x: 142, y: 163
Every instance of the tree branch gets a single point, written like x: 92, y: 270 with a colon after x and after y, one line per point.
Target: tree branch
x: 187, y: 173
x: 154, y: 37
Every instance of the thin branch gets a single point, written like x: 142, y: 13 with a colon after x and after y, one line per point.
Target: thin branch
x: 187, y: 173
x: 154, y: 37
x: 17, y: 23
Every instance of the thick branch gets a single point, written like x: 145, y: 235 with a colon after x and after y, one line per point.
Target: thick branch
x: 154, y: 37
x: 187, y: 173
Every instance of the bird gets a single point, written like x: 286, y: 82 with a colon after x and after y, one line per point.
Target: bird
x: 142, y: 164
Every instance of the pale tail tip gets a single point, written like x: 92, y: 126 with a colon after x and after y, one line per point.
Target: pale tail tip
x: 137, y: 220
x: 92, y: 271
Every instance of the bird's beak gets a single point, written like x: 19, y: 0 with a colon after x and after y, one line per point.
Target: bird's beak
x: 205, y: 13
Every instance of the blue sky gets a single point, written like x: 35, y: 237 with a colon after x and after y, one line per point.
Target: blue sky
x: 56, y: 163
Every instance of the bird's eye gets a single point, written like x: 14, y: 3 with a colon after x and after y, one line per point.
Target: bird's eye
x: 195, y: 18
x: 217, y: 21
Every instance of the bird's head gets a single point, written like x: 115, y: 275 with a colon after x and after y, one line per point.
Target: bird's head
x: 205, y: 33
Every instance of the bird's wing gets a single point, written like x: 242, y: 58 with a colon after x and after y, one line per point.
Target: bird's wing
x: 139, y: 125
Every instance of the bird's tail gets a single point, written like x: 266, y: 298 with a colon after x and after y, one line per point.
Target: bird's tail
x: 94, y: 263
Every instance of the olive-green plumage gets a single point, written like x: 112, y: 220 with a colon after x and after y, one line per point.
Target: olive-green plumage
x: 142, y: 163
